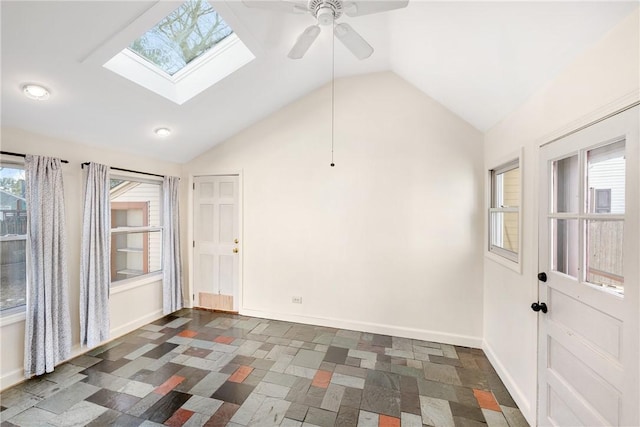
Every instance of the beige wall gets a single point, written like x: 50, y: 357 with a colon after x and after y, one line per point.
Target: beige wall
x: 387, y: 241
x: 132, y: 305
x: 602, y: 79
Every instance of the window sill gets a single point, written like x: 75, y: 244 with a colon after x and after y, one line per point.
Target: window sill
x: 505, y: 262
x: 11, y: 318
x: 135, y: 282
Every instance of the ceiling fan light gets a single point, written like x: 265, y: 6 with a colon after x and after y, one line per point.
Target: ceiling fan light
x: 163, y: 132
x: 37, y: 92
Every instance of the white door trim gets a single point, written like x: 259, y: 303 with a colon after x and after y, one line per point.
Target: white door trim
x: 190, y: 233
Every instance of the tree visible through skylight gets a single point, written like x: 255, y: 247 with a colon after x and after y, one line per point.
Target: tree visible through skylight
x: 185, y: 34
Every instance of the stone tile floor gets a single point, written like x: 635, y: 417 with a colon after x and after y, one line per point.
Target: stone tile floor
x: 198, y: 368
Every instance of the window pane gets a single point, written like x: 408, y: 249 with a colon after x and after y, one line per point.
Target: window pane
x: 605, y: 179
x: 504, y: 230
x: 13, y: 230
x: 604, y: 253
x: 135, y: 203
x: 564, y: 251
x: 135, y: 253
x: 182, y: 36
x: 566, y: 184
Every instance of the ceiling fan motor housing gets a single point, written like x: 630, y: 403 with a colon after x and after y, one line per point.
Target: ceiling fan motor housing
x: 326, y: 11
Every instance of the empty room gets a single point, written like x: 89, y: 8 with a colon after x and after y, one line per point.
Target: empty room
x: 320, y: 213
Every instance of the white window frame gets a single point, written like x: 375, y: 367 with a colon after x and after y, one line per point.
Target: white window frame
x: 500, y: 255
x: 143, y: 278
x: 15, y: 313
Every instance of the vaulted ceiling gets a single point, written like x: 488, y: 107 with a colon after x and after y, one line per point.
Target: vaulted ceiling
x: 479, y: 59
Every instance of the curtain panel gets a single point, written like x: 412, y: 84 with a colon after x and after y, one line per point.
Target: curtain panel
x: 47, y: 326
x: 95, y: 266
x: 172, y: 299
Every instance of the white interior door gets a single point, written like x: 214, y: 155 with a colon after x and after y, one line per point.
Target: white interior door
x: 216, y: 242
x: 588, y: 242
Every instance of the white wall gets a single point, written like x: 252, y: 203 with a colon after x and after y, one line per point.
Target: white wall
x: 145, y: 296
x: 603, y: 79
x: 387, y: 241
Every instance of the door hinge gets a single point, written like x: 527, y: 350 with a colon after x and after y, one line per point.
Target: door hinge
x: 194, y: 243
x: 194, y: 185
x: 193, y: 297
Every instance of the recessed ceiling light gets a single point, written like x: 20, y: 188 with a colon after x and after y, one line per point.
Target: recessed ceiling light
x: 163, y: 132
x: 37, y: 92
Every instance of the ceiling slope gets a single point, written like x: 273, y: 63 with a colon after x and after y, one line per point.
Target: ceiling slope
x: 479, y: 59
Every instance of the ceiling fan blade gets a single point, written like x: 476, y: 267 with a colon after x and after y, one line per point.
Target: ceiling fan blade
x: 353, y: 41
x: 304, y: 42
x: 367, y: 7
x: 277, y: 5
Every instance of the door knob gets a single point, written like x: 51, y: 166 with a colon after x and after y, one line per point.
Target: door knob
x: 542, y: 276
x: 236, y: 241
x: 235, y: 250
x: 539, y: 307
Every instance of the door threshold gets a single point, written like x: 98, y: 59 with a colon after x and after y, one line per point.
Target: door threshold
x: 216, y: 310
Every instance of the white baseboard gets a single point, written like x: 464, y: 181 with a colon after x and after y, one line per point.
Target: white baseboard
x: 135, y: 324
x: 376, y: 328
x: 11, y: 378
x: 524, y: 404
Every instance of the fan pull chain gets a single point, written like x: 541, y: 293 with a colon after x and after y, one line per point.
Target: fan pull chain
x: 333, y: 93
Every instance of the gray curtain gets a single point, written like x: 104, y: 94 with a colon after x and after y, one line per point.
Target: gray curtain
x: 47, y: 328
x: 95, y: 267
x: 171, y: 259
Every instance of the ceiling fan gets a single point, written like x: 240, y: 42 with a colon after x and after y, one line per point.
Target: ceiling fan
x: 326, y: 12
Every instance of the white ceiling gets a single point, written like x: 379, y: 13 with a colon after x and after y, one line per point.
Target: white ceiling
x: 479, y: 59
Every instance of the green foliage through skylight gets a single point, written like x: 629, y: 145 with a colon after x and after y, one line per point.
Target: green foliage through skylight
x: 185, y: 34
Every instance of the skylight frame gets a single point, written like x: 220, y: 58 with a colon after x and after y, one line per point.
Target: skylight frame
x: 225, y: 58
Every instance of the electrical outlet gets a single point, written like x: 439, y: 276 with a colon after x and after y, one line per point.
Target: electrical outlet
x: 296, y: 300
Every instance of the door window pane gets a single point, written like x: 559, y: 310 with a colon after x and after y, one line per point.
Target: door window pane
x: 564, y: 250
x: 566, y: 185
x: 604, y: 253
x: 605, y: 179
x: 13, y: 238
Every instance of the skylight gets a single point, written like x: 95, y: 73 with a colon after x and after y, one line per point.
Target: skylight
x: 183, y: 52
x: 182, y: 36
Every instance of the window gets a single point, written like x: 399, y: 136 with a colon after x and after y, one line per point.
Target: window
x: 136, y: 228
x: 504, y: 211
x: 13, y: 238
x: 182, y: 36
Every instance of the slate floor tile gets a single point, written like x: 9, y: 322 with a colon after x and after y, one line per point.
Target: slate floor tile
x: 80, y: 414
x: 160, y: 411
x: 464, y: 411
x: 320, y: 417
x: 381, y: 401
x: 297, y: 411
x: 222, y: 415
x: 347, y: 417
x: 410, y: 403
x: 32, y: 417
x: 107, y: 418
x: 65, y: 399
x: 202, y: 405
x: 436, y: 412
x: 336, y: 355
x: 231, y: 392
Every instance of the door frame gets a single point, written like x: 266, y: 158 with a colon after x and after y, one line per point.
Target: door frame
x: 632, y: 223
x: 190, y: 234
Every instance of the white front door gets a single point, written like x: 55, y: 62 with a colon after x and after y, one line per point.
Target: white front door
x: 216, y: 242
x: 588, y: 242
